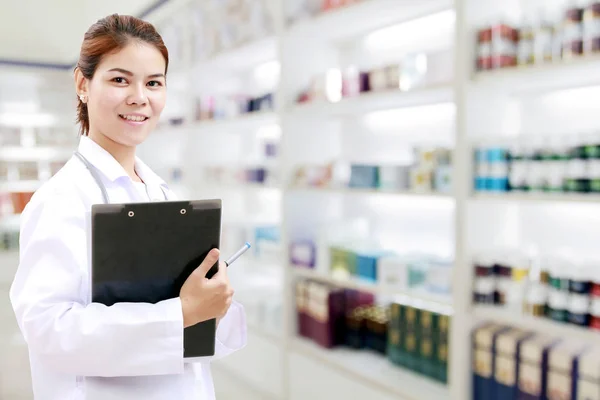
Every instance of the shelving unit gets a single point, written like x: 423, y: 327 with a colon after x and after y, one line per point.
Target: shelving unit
x: 317, y: 133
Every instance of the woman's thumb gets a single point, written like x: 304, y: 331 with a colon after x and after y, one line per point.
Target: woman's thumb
x: 208, y: 262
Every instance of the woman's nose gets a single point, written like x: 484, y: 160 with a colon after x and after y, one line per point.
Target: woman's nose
x: 137, y: 95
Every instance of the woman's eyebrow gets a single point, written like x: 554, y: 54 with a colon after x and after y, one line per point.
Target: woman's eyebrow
x: 129, y: 73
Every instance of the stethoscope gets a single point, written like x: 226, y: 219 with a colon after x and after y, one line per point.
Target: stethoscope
x: 96, y: 175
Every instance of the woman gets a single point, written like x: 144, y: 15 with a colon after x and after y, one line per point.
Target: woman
x: 86, y: 350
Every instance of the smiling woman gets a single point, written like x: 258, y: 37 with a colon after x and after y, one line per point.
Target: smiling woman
x: 85, y: 350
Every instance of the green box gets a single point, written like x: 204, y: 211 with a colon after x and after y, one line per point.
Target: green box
x: 428, y: 333
x: 338, y: 259
x: 410, y: 340
x: 395, y: 331
x: 441, y: 359
x: 352, y: 263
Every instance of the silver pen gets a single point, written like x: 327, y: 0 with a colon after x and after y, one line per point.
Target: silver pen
x: 237, y: 254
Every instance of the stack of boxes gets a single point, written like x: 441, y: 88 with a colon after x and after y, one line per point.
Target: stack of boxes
x: 413, y: 335
x: 322, y: 312
x: 511, y: 363
x: 418, y: 338
x: 392, y: 272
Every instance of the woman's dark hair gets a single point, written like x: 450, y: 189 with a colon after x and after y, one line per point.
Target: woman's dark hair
x: 108, y: 35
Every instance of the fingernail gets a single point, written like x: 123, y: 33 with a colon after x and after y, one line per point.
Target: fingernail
x: 214, y: 253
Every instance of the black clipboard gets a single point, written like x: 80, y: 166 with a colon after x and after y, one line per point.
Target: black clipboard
x: 144, y: 252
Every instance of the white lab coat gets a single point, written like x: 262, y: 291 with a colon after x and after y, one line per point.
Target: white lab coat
x: 82, y: 350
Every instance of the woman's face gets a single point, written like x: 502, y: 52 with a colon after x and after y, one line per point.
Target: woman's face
x: 127, y: 94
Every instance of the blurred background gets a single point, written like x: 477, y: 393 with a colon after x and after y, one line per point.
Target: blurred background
x: 419, y: 180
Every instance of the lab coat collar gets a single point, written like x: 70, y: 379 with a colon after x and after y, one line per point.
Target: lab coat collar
x: 110, y: 168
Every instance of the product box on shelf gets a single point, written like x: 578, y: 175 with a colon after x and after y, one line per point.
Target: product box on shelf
x: 333, y: 316
x: 303, y: 253
x: 376, y: 324
x: 533, y: 367
x: 411, y: 344
x: 508, y: 351
x: 302, y: 308
x: 394, y: 177
x: 418, y: 338
x: 562, y: 369
x: 429, y: 341
x: 442, y: 351
x: 364, y: 176
x: 484, y: 346
x: 588, y: 375
x: 393, y: 273
x: 395, y: 334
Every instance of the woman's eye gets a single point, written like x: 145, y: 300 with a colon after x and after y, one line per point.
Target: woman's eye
x: 119, y: 80
x: 154, y: 83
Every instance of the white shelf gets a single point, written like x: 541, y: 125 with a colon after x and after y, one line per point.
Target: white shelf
x: 538, y: 197
x: 241, y: 58
x: 375, y: 101
x: 370, y: 192
x: 547, y: 77
x: 243, y: 124
x: 368, y: 286
x: 18, y: 153
x: 365, y: 16
x: 536, y: 324
x: 375, y: 370
x: 20, y: 186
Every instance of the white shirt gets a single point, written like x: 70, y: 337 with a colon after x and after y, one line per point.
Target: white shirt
x: 82, y: 350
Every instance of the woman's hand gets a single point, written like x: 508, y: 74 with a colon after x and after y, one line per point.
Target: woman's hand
x: 203, y: 299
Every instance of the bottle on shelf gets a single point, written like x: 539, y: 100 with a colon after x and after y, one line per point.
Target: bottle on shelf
x: 591, y: 28
x: 544, y: 36
x: 573, y: 30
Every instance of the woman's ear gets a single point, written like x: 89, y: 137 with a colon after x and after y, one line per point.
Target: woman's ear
x: 81, y: 86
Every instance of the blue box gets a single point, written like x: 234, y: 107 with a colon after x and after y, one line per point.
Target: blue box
x: 367, y: 267
x: 364, y: 176
x: 484, y: 351
x: 506, y: 370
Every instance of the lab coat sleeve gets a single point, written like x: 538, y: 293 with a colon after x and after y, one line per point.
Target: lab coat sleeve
x: 231, y: 332
x: 49, y: 297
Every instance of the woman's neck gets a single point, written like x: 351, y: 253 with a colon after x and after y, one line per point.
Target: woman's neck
x: 124, y: 155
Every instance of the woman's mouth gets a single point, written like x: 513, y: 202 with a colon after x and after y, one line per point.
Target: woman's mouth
x: 133, y: 118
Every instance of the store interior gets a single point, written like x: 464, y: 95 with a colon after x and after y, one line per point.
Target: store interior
x: 416, y: 178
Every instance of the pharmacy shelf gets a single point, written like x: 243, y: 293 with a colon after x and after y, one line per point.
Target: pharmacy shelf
x: 242, y: 57
x: 375, y: 370
x: 541, y: 325
x: 537, y: 197
x: 349, y: 22
x: 368, y: 286
x: 20, y: 186
x: 370, y: 192
x: 41, y: 153
x: 577, y: 72
x: 376, y: 101
x: 243, y: 124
